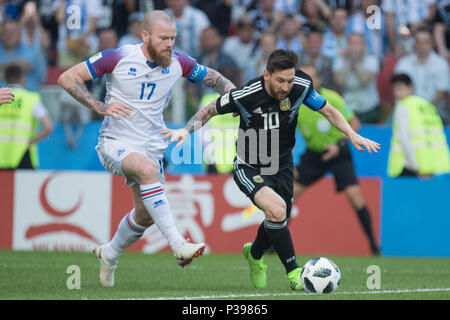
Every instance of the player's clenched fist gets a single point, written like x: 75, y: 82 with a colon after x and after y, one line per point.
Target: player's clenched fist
x: 6, y: 95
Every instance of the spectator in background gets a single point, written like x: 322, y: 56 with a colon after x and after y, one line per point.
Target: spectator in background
x: 14, y: 51
x: 34, y: 34
x: 267, y: 44
x: 190, y: 24
x: 19, y: 121
x: 429, y: 72
x: 77, y: 21
x: 115, y: 13
x: 347, y: 5
x: 374, y: 35
x: 355, y: 76
x: 213, y: 56
x: 263, y: 15
x: 133, y: 35
x: 47, y: 12
x: 403, y: 19
x: 289, y: 34
x: 243, y: 45
x: 286, y: 6
x: 314, y: 14
x: 240, y: 8
x: 418, y: 147
x: 218, y: 12
x: 312, y: 55
x: 335, y: 38
x: 441, y: 29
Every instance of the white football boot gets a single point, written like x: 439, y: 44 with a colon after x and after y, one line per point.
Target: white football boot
x: 188, y: 251
x: 106, y: 268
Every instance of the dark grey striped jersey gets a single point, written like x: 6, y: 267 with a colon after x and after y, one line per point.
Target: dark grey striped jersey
x: 267, y: 126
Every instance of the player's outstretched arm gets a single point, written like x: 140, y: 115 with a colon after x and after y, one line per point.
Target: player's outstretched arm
x: 338, y: 120
x: 217, y: 81
x: 196, y: 122
x: 72, y: 80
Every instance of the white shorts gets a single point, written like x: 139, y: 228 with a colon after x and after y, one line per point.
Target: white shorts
x: 111, y: 153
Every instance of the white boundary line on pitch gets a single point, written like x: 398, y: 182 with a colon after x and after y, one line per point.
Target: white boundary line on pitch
x: 254, y: 295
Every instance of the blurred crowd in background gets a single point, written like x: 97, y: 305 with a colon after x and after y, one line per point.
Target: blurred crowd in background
x: 356, y: 45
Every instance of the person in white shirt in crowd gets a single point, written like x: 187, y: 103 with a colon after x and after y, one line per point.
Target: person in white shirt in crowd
x: 429, y: 72
x: 355, y: 77
x: 133, y: 35
x: 403, y: 19
x: 190, y: 24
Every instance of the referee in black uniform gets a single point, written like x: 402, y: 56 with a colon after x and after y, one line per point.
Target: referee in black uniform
x: 263, y: 169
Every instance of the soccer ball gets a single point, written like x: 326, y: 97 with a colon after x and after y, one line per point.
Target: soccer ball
x: 320, y: 275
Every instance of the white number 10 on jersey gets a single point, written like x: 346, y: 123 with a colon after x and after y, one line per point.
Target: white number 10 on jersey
x: 271, y: 120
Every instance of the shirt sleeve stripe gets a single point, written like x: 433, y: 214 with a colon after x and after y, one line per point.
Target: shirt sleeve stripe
x: 91, y: 70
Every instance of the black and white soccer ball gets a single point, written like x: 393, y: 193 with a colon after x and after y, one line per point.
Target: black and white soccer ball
x: 320, y: 275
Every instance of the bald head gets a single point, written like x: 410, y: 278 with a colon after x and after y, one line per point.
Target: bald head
x: 155, y: 17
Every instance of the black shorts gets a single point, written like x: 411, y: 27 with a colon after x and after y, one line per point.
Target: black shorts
x: 249, y: 180
x: 312, y: 168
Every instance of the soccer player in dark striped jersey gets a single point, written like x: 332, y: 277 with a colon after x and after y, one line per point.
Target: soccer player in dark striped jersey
x: 263, y: 169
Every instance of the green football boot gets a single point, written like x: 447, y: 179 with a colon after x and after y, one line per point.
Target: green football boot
x: 257, y: 268
x: 294, y: 278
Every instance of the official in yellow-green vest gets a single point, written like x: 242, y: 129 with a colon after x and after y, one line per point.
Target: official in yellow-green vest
x: 327, y: 151
x: 19, y: 120
x: 418, y: 145
x: 219, y: 139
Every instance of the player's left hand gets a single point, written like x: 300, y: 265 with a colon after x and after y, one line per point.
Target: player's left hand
x: 360, y: 143
x: 175, y: 135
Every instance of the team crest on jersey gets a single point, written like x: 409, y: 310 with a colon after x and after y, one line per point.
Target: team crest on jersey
x: 165, y: 70
x: 258, y: 179
x: 285, y: 104
x: 132, y: 71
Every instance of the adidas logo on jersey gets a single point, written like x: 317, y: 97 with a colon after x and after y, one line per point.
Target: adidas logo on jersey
x: 258, y: 110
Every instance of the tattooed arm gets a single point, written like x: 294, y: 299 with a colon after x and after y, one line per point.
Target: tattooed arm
x: 196, y: 122
x: 217, y: 81
x: 72, y: 80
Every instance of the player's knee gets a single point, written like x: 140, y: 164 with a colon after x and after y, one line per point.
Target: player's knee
x: 276, y: 212
x: 147, y: 172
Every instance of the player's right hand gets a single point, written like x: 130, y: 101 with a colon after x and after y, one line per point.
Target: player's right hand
x: 175, y: 135
x: 114, y: 110
x: 6, y: 95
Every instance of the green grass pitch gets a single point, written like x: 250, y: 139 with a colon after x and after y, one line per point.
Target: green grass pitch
x: 42, y: 275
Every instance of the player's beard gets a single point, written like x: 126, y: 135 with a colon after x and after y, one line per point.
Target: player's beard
x: 161, y: 58
x: 277, y: 94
